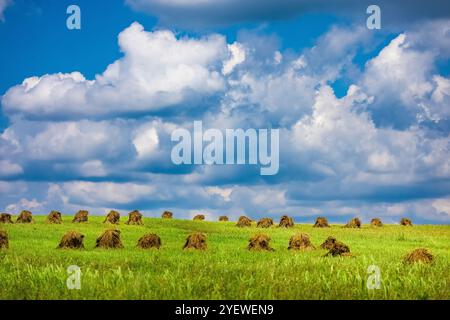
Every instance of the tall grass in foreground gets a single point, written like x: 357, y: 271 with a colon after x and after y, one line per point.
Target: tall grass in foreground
x: 34, y: 269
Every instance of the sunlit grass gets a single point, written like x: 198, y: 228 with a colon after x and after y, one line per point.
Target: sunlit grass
x: 34, y: 269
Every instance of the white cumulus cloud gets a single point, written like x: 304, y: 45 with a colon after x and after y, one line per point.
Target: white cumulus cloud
x: 158, y: 70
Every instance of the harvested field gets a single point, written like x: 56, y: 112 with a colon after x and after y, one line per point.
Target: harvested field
x: 33, y: 267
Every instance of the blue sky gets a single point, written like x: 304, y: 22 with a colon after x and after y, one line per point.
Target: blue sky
x: 86, y: 115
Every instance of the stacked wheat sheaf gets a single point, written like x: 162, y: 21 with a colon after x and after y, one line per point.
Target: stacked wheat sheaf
x: 111, y: 237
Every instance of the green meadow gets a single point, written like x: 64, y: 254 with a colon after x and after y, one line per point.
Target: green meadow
x: 32, y: 267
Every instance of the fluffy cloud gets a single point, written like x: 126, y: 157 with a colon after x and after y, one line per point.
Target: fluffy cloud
x: 370, y: 151
x: 93, y: 193
x: 237, y: 57
x: 8, y: 168
x: 403, y: 80
x: 431, y: 35
x: 389, y: 76
x: 157, y: 71
x: 360, y: 161
x: 146, y: 142
x: 25, y: 204
x: 284, y: 87
x: 82, y: 140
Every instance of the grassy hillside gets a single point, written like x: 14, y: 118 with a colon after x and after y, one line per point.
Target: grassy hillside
x: 32, y: 268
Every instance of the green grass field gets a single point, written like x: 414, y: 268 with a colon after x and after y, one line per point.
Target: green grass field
x: 32, y: 268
